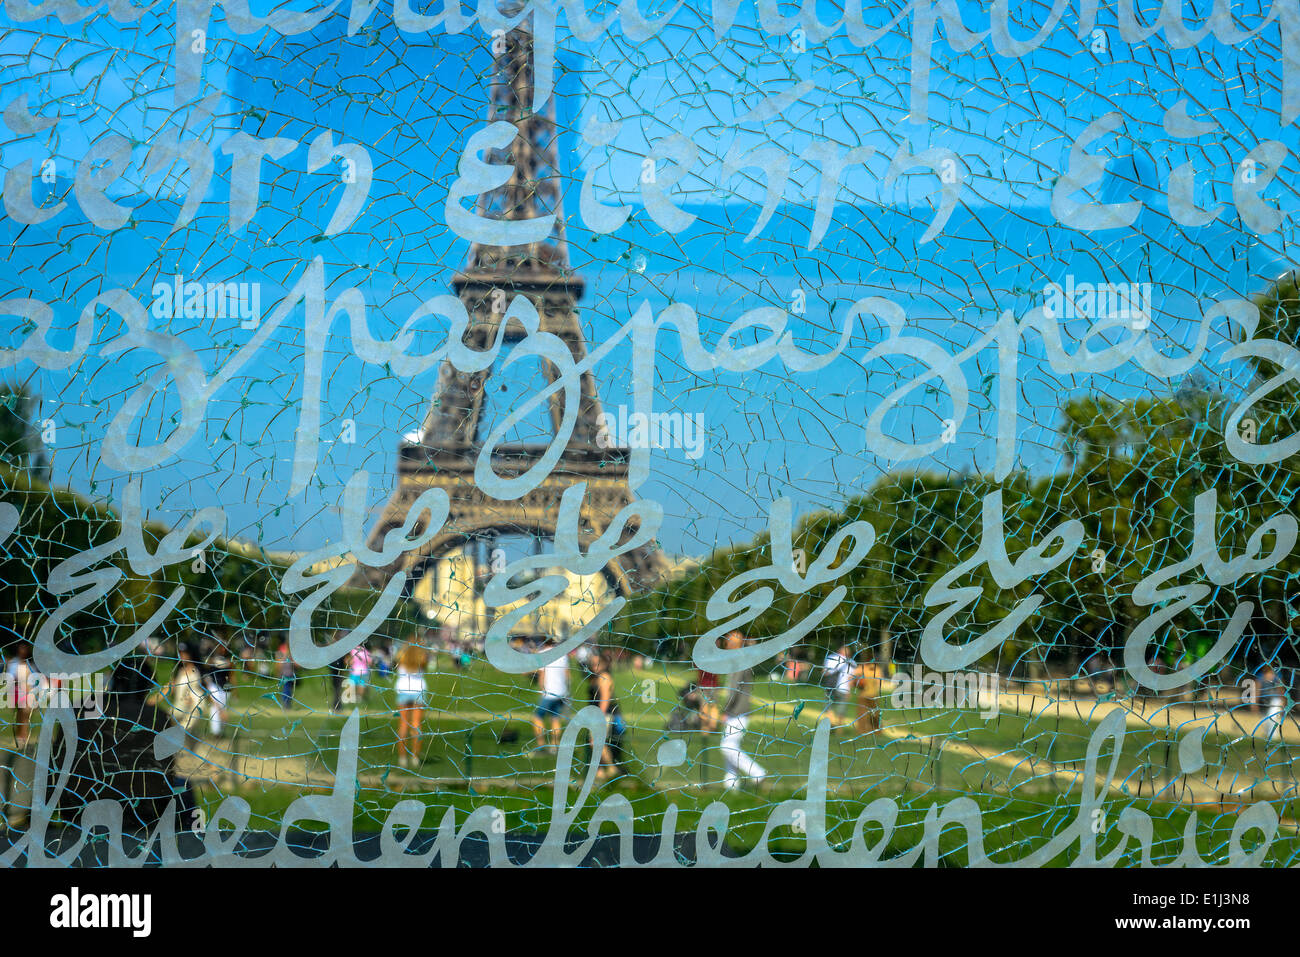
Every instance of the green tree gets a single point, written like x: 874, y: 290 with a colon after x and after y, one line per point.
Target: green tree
x: 20, y: 437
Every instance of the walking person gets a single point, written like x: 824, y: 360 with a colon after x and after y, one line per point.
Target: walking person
x: 868, y: 681
x: 22, y: 679
x: 184, y: 692
x: 553, y: 681
x: 583, y: 655
x: 410, y: 687
x: 17, y: 769
x: 735, y: 715
x: 1272, y: 696
x: 218, y: 676
x: 613, y: 759
x: 837, y: 679
x: 359, y: 662
x: 287, y: 673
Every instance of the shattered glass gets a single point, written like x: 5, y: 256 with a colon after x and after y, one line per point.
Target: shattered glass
x: 565, y: 430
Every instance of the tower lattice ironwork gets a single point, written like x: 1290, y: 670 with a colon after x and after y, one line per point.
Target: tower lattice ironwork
x: 451, y: 438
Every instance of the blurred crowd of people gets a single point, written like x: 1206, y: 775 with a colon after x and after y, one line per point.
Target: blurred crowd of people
x: 209, y: 667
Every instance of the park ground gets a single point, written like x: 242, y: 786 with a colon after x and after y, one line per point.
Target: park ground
x: 1022, y: 765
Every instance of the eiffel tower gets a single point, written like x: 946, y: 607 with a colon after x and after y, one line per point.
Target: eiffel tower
x: 448, y: 445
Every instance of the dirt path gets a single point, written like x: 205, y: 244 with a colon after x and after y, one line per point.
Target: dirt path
x: 215, y: 765
x: 1151, y: 714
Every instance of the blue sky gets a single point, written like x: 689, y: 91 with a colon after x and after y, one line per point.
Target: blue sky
x: 413, y: 102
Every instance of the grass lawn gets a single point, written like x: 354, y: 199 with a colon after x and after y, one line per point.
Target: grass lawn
x: 924, y: 757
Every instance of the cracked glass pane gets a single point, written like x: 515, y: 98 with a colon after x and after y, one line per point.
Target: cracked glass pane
x: 546, y: 431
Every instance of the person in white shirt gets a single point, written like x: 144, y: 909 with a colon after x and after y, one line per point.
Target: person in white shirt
x: 184, y: 692
x: 553, y: 680
x: 740, y: 705
x: 838, y: 676
x: 1273, y: 697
